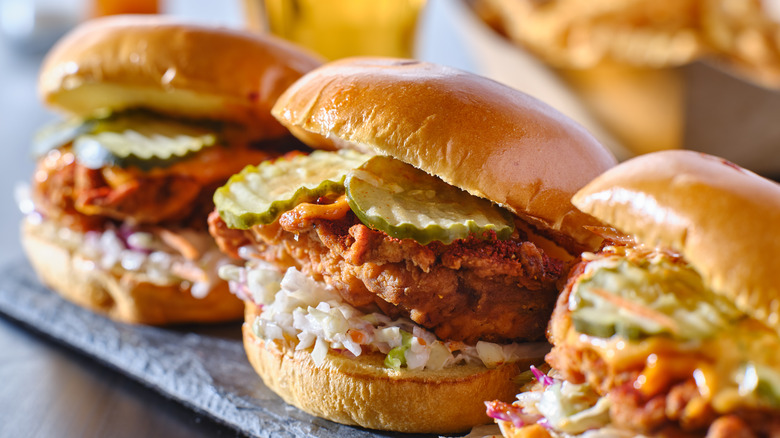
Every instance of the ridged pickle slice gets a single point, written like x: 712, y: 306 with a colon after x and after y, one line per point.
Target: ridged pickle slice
x: 407, y: 203
x: 259, y: 194
x: 60, y: 133
x: 637, y: 299
x: 141, y: 140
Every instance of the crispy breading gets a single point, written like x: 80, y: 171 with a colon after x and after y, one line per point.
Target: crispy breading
x: 469, y: 290
x: 84, y: 198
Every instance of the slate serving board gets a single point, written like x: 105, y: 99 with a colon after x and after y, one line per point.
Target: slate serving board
x: 202, y: 367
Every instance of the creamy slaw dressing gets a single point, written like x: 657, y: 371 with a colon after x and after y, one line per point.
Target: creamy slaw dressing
x: 307, y: 313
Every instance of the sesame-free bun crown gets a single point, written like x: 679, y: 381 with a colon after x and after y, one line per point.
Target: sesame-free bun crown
x: 172, y: 67
x: 483, y: 137
x: 724, y: 220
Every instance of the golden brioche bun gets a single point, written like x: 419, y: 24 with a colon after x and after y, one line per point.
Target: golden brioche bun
x: 125, y: 296
x: 362, y: 391
x: 723, y: 219
x: 171, y: 67
x: 483, y: 137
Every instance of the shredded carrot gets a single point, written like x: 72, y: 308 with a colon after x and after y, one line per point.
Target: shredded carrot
x: 658, y: 317
x: 189, y: 272
x: 179, y: 243
x: 357, y: 336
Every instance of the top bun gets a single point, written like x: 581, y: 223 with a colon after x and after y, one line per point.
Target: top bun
x: 723, y: 219
x: 488, y: 139
x: 171, y: 67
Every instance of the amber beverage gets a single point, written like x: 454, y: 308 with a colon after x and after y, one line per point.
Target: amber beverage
x: 114, y: 7
x: 341, y: 28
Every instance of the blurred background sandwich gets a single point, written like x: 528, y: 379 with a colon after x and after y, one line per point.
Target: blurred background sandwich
x: 158, y: 114
x: 671, y: 329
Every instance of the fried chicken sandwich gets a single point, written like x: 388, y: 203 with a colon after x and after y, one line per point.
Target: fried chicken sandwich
x: 158, y: 115
x: 393, y: 282
x: 671, y: 330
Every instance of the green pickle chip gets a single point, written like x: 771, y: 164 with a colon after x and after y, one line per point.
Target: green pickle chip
x: 668, y: 299
x: 140, y: 140
x: 60, y: 133
x: 259, y: 194
x: 405, y: 202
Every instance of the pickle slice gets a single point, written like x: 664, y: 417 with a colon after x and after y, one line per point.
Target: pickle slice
x: 140, y: 140
x: 60, y: 133
x: 594, y: 323
x: 258, y: 195
x: 405, y: 202
x: 635, y: 300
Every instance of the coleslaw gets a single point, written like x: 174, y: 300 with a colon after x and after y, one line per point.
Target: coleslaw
x: 307, y: 313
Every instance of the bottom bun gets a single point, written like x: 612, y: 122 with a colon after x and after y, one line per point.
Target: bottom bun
x: 363, y: 392
x: 122, y: 295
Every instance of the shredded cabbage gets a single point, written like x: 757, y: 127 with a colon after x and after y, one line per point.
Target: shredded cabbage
x: 143, y: 253
x: 510, y: 413
x: 561, y: 406
x: 310, y: 314
x: 573, y: 408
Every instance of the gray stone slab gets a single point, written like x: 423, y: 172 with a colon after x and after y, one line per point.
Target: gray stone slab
x: 202, y: 367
